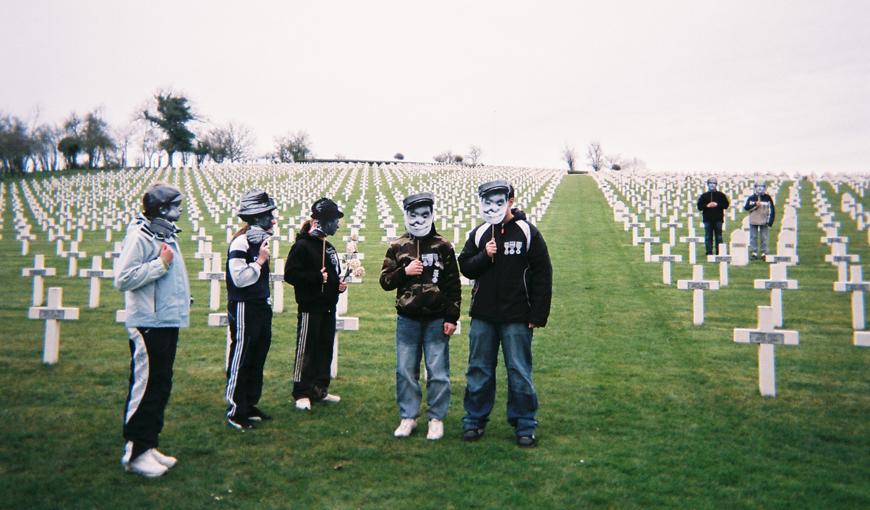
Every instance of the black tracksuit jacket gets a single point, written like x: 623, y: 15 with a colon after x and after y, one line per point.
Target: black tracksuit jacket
x: 302, y: 271
x: 713, y: 214
x: 516, y: 285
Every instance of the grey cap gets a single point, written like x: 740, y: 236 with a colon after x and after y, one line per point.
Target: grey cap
x: 159, y: 195
x: 496, y: 186
x: 418, y: 199
x: 254, y: 202
x: 325, y: 209
x: 713, y: 180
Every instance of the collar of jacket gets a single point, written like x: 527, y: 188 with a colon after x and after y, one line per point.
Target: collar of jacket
x: 146, y: 227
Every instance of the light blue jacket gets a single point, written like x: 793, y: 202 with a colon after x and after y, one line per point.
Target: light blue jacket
x: 156, y: 297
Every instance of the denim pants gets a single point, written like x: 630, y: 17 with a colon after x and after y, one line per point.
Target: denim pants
x: 414, y: 339
x: 758, y: 233
x: 712, y: 229
x: 522, y: 402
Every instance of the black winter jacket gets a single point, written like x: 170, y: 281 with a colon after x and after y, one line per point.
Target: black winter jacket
x: 516, y: 285
x: 302, y: 271
x: 713, y: 214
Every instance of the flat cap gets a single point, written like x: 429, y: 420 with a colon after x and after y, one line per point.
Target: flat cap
x: 417, y: 199
x: 496, y: 186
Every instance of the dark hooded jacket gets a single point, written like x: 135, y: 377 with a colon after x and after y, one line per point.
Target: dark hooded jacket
x: 434, y: 294
x: 516, y: 285
x: 302, y: 271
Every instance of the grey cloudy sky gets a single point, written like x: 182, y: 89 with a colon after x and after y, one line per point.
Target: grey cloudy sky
x: 683, y: 85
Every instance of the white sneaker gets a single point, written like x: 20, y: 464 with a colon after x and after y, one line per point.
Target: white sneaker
x: 331, y: 398
x: 146, y: 465
x: 405, y: 428
x: 162, y: 458
x: 303, y: 404
x: 436, y: 429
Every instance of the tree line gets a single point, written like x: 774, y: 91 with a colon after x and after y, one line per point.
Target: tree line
x: 597, y: 160
x: 162, y: 129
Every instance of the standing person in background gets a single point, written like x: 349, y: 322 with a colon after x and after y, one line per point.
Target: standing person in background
x: 312, y: 268
x: 249, y: 310
x: 152, y: 275
x: 421, y: 267
x: 761, y: 216
x: 712, y: 204
x: 513, y: 281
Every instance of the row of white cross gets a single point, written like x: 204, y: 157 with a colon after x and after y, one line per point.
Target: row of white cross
x: 649, y: 205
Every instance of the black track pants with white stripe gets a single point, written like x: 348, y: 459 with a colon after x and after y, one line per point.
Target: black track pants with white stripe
x: 152, y: 354
x: 250, y: 324
x: 315, y: 334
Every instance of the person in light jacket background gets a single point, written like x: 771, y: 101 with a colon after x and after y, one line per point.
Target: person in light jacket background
x: 761, y: 216
x: 152, y: 275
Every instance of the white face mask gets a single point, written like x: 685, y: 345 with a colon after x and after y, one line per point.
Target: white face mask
x: 759, y: 190
x: 418, y: 220
x: 493, y: 208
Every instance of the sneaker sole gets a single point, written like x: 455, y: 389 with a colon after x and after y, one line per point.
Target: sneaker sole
x: 238, y: 426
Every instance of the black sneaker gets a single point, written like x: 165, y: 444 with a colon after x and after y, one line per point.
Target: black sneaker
x: 472, y: 434
x: 257, y: 415
x: 527, y: 441
x: 239, y: 423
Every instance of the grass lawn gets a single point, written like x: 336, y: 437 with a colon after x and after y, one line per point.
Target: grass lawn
x: 639, y: 408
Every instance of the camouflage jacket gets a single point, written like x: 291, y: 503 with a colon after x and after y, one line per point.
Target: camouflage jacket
x: 435, y: 293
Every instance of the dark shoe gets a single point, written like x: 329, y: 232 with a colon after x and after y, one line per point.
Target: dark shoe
x: 257, y: 415
x: 239, y: 423
x: 472, y: 434
x: 527, y: 441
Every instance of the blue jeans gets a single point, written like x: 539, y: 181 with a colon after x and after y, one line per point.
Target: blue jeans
x: 516, y: 343
x: 414, y: 338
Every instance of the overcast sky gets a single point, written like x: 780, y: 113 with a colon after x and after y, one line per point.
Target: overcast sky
x: 682, y: 85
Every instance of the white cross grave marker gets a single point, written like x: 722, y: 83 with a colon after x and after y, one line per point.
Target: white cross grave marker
x: 723, y: 259
x: 776, y: 283
x: 215, y: 274
x: 276, y: 276
x: 666, y: 258
x: 857, y: 286
x: 766, y: 337
x: 698, y: 285
x: 53, y: 312
x: 38, y: 271
x: 95, y: 273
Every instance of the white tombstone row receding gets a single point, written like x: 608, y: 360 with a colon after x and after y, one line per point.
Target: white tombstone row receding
x: 698, y: 285
x: 38, y: 272
x: 777, y: 282
x: 766, y: 336
x: 665, y: 258
x: 95, y: 273
x: 856, y: 286
x: 53, y: 312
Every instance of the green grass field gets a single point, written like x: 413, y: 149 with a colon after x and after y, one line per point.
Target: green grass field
x: 639, y: 408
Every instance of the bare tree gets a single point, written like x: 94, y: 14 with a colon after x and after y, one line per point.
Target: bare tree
x: 595, y: 156
x: 233, y: 142
x: 473, y: 156
x: 569, y: 156
x: 293, y: 147
x: 445, y: 157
